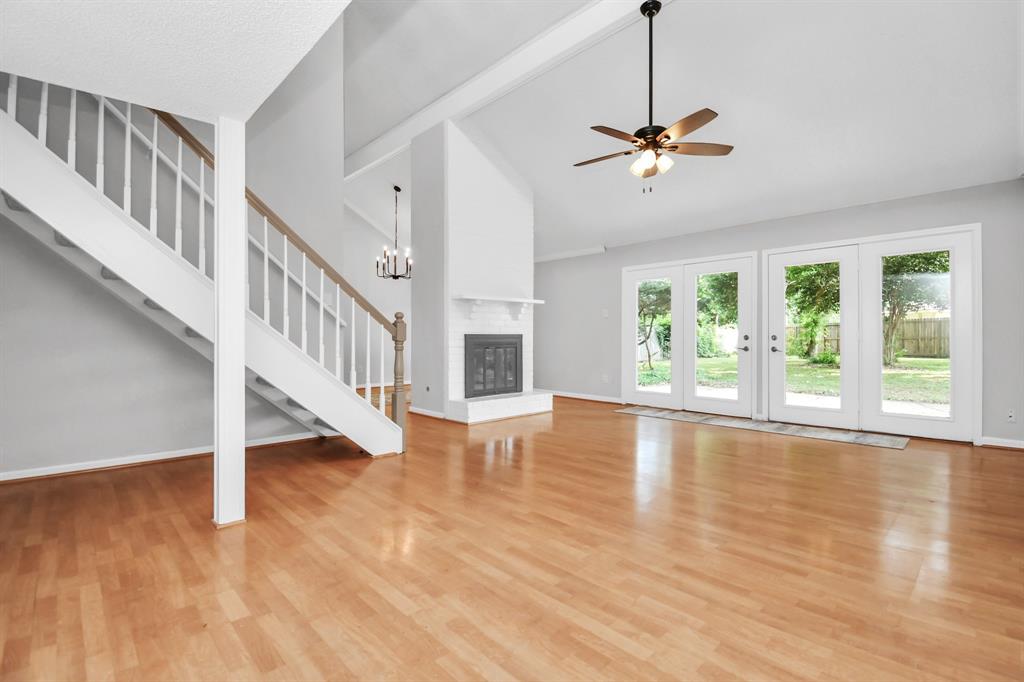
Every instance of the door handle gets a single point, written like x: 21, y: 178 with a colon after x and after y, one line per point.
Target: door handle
x: 743, y: 348
x: 774, y: 349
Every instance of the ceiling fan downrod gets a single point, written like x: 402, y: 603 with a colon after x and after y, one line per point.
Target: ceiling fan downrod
x: 650, y: 9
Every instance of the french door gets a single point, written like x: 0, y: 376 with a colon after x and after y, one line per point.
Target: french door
x: 875, y: 336
x: 813, y: 349
x: 717, y: 337
x: 917, y: 320
x: 651, y: 306
x: 688, y: 336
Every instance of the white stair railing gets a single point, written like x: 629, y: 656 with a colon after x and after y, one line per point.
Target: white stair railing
x: 327, y: 306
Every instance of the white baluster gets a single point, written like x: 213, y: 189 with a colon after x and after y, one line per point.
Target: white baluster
x: 152, y: 176
x: 380, y: 405
x: 177, y: 205
x: 367, y: 384
x: 72, y: 126
x: 128, y: 161
x: 12, y: 97
x: 99, y: 143
x: 323, y: 362
x: 285, y: 326
x: 352, y: 348
x: 266, y: 273
x: 337, y: 331
x: 202, y: 216
x: 304, y: 302
x: 44, y: 104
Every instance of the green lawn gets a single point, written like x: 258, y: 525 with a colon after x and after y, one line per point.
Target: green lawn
x: 923, y: 380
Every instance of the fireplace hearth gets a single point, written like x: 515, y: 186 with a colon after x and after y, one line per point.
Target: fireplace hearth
x: 494, y: 364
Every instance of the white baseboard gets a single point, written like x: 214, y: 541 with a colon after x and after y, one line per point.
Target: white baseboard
x: 584, y: 396
x: 426, y: 413
x: 1000, y: 442
x: 95, y: 464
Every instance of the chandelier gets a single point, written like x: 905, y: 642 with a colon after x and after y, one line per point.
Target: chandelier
x: 388, y: 269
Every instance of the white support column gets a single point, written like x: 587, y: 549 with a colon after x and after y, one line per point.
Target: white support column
x: 230, y: 264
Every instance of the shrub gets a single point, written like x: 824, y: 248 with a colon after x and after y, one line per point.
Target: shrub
x: 663, y: 334
x: 707, y: 343
x: 826, y: 357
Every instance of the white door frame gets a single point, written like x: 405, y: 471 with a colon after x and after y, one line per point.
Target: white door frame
x: 973, y: 229
x: 958, y: 425
x: 847, y: 415
x: 630, y: 279
x: 686, y: 342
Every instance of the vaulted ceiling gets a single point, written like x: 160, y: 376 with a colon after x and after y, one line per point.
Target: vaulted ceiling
x: 829, y: 104
x: 401, y: 55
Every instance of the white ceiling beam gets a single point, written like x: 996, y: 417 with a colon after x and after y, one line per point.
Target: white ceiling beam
x: 572, y: 35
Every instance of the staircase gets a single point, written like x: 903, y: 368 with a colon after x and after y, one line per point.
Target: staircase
x: 137, y: 218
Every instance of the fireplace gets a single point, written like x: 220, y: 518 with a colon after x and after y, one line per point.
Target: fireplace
x: 494, y: 364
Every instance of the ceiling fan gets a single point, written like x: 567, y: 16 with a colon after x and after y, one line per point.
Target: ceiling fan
x: 653, y: 142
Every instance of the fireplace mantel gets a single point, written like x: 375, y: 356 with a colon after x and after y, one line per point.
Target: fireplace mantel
x: 516, y: 306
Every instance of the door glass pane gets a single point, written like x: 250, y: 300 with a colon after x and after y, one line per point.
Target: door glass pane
x: 915, y: 334
x: 812, y: 335
x: 717, y: 364
x: 654, y: 335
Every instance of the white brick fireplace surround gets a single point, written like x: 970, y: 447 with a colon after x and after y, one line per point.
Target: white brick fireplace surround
x: 472, y: 233
x: 469, y: 315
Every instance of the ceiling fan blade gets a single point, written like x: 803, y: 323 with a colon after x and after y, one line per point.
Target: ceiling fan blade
x: 699, y: 148
x: 615, y: 133
x: 685, y: 126
x: 606, y: 157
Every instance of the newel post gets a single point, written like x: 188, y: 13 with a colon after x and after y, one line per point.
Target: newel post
x: 398, y: 405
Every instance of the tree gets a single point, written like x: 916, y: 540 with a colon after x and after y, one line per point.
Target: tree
x: 654, y: 299
x: 718, y: 299
x: 812, y: 294
x: 910, y: 282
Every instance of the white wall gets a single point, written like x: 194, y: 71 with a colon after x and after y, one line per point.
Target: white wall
x: 295, y: 147
x: 578, y: 331
x: 490, y: 253
x: 429, y: 290
x: 490, y: 223
x: 83, y: 377
x: 472, y: 232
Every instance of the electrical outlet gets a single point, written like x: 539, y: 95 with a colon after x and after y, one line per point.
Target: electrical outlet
x: 1011, y: 416
x: 604, y: 378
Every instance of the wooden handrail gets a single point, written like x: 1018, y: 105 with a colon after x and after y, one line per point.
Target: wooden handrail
x: 278, y: 222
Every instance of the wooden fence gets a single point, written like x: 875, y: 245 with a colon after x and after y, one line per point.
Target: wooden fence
x: 917, y: 338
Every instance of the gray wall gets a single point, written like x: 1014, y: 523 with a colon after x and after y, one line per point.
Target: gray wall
x: 83, y: 377
x: 577, y: 345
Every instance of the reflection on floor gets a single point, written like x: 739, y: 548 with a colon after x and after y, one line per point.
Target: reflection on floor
x: 581, y: 544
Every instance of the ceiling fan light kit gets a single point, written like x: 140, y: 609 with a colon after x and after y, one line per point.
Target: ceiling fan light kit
x: 654, y: 142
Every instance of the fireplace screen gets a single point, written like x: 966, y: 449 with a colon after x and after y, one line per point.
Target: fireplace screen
x: 494, y: 364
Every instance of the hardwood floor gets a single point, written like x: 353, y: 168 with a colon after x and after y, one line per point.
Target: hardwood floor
x: 578, y: 545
